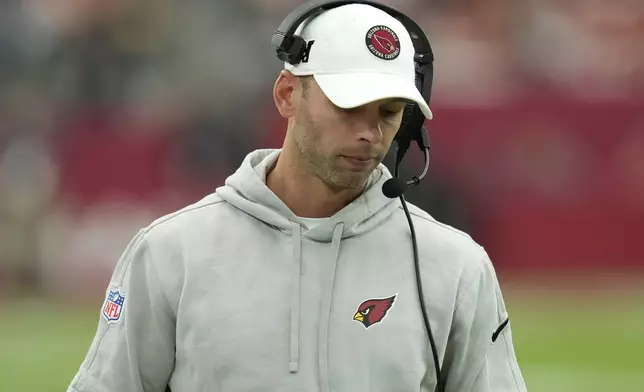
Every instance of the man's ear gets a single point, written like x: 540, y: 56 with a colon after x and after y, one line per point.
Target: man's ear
x: 287, y: 93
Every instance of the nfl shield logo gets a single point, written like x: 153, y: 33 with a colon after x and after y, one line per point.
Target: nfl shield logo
x: 113, y: 306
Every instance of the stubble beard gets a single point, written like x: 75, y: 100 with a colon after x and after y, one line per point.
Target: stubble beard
x: 322, y: 164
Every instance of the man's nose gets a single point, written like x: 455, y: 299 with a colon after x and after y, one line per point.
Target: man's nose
x: 367, y: 124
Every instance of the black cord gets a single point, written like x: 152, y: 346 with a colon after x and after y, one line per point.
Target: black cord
x: 421, y: 297
x: 419, y: 285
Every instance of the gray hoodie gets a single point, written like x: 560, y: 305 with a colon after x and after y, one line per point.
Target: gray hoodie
x: 234, y: 293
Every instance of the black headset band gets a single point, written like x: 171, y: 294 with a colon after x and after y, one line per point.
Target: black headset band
x: 304, y: 11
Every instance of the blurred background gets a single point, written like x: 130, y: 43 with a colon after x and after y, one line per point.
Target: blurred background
x: 115, y: 112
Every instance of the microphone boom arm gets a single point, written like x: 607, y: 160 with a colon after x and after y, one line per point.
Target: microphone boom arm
x: 395, y: 187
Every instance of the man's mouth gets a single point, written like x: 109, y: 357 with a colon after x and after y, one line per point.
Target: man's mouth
x: 361, y: 162
x: 362, y: 158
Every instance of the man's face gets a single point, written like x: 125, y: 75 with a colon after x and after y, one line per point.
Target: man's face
x: 343, y: 146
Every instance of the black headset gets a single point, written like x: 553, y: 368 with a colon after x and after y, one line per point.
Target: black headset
x: 292, y: 48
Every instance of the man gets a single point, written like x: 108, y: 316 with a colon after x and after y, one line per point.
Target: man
x: 297, y: 275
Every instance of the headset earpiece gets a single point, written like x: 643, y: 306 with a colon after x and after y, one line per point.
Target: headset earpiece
x: 407, y: 116
x: 293, y: 51
x: 413, y: 117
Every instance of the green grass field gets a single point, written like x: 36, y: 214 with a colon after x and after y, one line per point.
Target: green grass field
x: 564, y: 343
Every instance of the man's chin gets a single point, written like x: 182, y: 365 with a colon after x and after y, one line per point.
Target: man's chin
x: 348, y: 180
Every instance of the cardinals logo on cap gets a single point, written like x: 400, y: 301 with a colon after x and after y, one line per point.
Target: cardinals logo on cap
x: 383, y: 42
x: 372, y: 311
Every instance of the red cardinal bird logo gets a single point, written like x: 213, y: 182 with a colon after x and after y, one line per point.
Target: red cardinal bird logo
x: 372, y: 311
x: 385, y: 43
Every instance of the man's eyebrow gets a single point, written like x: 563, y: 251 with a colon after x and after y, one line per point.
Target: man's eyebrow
x: 400, y: 100
x: 394, y: 101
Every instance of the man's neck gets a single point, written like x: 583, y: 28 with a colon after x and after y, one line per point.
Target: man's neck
x: 304, y: 193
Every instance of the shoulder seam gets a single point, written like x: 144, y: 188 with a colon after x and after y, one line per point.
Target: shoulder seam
x: 180, y: 212
x: 443, y: 226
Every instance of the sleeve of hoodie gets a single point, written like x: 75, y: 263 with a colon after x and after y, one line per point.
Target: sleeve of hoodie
x: 136, y: 352
x: 480, y: 355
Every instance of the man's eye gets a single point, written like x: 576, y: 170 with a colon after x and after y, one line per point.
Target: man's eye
x: 388, y: 113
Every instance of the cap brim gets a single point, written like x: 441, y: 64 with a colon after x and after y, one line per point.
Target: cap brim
x: 351, y: 90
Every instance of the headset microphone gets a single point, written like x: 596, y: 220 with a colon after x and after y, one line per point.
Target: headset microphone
x: 396, y: 187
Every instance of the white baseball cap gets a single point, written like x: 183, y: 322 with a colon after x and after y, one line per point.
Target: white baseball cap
x: 359, y: 54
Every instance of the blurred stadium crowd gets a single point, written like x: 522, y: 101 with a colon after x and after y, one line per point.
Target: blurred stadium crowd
x: 115, y: 112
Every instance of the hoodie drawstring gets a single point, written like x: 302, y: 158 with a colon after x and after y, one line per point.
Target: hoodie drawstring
x: 294, y: 360
x: 325, y: 311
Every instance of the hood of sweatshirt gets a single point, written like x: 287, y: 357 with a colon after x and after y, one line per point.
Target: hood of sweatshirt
x: 246, y: 190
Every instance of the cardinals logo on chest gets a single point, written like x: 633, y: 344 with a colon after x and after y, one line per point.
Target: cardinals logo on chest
x: 373, y: 311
